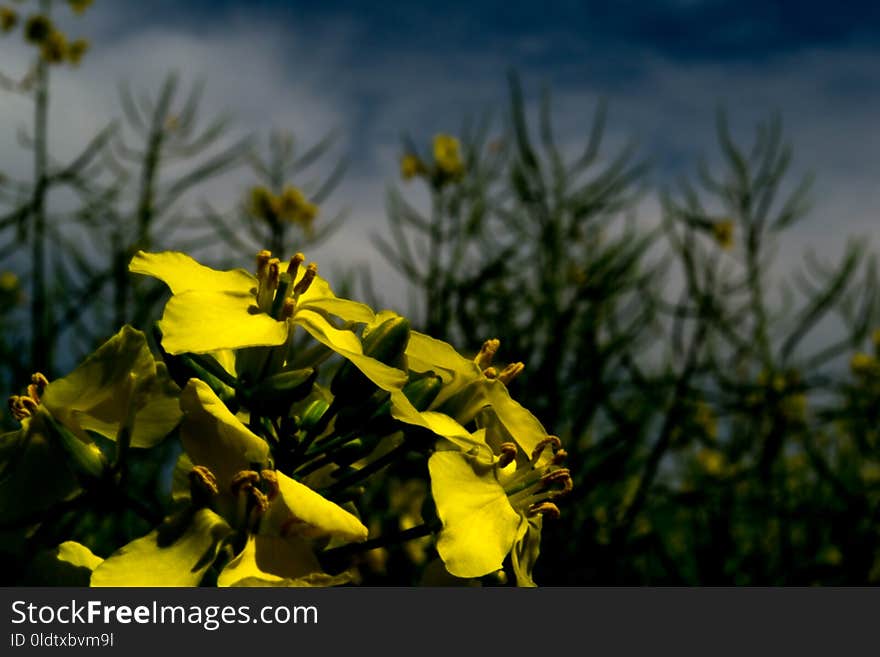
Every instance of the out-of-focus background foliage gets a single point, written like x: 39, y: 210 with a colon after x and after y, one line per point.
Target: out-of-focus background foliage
x: 719, y: 401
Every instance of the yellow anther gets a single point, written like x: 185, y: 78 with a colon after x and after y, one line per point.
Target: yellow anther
x: 39, y: 379
x: 308, y: 276
x: 202, y: 484
x: 263, y: 258
x: 287, y: 309
x: 550, y: 441
x: 243, y: 480
x: 295, y: 262
x: 274, y: 273
x: 545, y: 509
x: 510, y: 372
x: 490, y: 373
x: 487, y: 353
x: 22, y: 406
x: 559, y: 457
x: 561, y: 476
x: 261, y: 502
x: 271, y: 480
x: 508, y: 454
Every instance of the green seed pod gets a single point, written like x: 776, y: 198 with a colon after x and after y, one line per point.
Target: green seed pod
x: 387, y: 344
x: 313, y: 414
x: 274, y: 395
x: 423, y: 391
x: 351, y: 452
x: 224, y: 392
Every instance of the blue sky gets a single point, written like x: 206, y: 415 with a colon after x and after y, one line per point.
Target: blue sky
x: 376, y: 70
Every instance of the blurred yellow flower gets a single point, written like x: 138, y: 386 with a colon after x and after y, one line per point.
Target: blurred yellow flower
x: 295, y: 208
x: 411, y: 166
x: 447, y: 155
x: 8, y: 19
x: 37, y: 29
x: 862, y: 364
x: 54, y: 47
x: 76, y: 50
x: 712, y: 461
x: 79, y: 6
x: 723, y: 233
x: 262, y: 203
x: 9, y: 282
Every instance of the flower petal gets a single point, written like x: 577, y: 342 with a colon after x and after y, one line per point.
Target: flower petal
x: 526, y: 549
x: 525, y: 428
x: 213, y: 437
x: 201, y: 321
x: 158, y: 560
x: 347, y: 344
x: 479, y: 525
x: 68, y: 564
x: 300, y: 511
x: 319, y: 297
x: 181, y: 273
x: 97, y: 394
x: 275, y: 561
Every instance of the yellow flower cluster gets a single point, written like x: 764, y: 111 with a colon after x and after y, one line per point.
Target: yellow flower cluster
x: 53, y: 44
x: 289, y: 206
x: 448, y: 163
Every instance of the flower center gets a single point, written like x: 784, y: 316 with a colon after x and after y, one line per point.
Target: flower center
x: 533, y: 487
x: 276, y: 293
x: 24, y: 406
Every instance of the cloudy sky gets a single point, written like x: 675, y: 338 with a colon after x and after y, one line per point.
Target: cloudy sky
x: 376, y: 70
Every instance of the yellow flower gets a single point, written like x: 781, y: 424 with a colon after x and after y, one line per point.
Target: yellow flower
x: 263, y: 204
x: 118, y: 390
x: 411, y: 166
x: 447, y: 155
x: 38, y: 28
x: 234, y: 492
x: 9, y: 282
x: 862, y: 364
x: 491, y: 506
x: 712, y: 461
x: 295, y: 208
x: 723, y: 233
x: 76, y: 50
x: 54, y: 47
x: 8, y: 19
x: 79, y: 6
x: 211, y: 311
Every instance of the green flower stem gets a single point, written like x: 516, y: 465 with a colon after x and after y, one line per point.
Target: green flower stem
x: 367, y: 470
x: 382, y: 541
x: 213, y: 367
